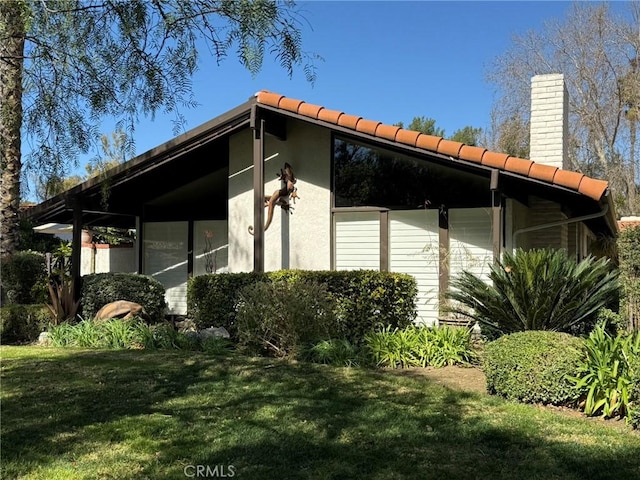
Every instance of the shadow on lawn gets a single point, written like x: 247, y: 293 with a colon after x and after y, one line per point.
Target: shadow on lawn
x: 272, y: 419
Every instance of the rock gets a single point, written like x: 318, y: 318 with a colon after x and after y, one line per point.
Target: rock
x: 187, y: 325
x: 121, y: 309
x: 214, y: 332
x: 44, y: 338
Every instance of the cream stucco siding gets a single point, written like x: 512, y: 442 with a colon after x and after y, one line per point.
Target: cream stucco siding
x: 300, y: 240
x: 101, y: 258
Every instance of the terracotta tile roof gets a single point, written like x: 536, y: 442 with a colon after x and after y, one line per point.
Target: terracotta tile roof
x: 590, y: 187
x: 628, y: 222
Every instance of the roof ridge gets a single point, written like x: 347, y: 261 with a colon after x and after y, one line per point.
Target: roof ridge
x: 579, y: 182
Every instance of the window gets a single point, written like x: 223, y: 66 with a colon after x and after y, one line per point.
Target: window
x: 366, y: 176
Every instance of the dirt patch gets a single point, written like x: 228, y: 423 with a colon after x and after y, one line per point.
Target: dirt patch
x: 469, y: 379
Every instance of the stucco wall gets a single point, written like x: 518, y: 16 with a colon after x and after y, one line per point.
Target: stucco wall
x: 106, y: 258
x: 300, y: 240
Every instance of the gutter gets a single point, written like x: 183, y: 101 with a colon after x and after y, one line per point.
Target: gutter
x: 558, y: 223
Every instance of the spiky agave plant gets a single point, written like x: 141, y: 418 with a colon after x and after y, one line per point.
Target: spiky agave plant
x: 540, y: 289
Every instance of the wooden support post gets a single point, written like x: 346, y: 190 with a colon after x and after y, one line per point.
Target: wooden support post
x: 76, y: 248
x: 139, y: 244
x: 190, y: 245
x: 443, y: 255
x: 384, y: 241
x: 258, y: 192
x: 496, y: 212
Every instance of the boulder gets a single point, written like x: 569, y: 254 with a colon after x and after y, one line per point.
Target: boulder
x: 122, y: 309
x: 214, y: 332
x: 44, y: 339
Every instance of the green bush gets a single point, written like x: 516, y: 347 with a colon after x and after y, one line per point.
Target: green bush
x: 24, y: 279
x: 23, y: 323
x: 533, y: 367
x: 634, y: 391
x: 535, y: 290
x: 629, y: 257
x: 282, y: 318
x: 212, y: 299
x: 100, y: 289
x: 603, y: 377
x: 416, y: 346
x: 364, y: 299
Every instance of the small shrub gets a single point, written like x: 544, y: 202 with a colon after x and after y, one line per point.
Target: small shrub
x: 212, y: 299
x: 23, y: 323
x: 634, y: 390
x: 281, y: 318
x: 24, y: 279
x: 603, y: 377
x: 63, y: 306
x: 100, y: 289
x: 421, y: 347
x: 535, y: 290
x: 165, y: 337
x: 533, y: 367
x: 340, y: 352
x: 216, y: 345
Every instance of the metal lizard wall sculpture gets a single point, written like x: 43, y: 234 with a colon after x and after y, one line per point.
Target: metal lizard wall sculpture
x: 281, y: 197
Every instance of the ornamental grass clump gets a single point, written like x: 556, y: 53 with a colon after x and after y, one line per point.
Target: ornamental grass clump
x: 418, y: 346
x: 535, y: 290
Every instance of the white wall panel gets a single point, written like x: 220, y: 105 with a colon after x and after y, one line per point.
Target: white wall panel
x: 165, y: 259
x: 357, y: 241
x: 470, y: 241
x: 414, y: 250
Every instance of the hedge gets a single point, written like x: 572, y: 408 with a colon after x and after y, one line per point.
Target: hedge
x: 365, y: 299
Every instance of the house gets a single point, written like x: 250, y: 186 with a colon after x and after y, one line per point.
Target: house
x: 370, y: 195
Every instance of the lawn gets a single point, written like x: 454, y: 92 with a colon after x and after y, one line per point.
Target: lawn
x: 163, y: 414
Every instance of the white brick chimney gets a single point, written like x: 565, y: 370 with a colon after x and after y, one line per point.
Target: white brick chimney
x: 549, y: 127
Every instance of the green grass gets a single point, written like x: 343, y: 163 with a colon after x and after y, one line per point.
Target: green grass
x: 76, y: 414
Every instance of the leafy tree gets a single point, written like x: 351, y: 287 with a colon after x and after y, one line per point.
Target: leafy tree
x: 65, y: 64
x: 467, y: 135
x: 595, y: 49
x: 424, y: 125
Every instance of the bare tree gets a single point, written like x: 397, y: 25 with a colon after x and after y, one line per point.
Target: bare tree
x: 595, y: 49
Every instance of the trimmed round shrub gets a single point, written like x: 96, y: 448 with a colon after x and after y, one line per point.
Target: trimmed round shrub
x: 533, y: 367
x: 100, y: 289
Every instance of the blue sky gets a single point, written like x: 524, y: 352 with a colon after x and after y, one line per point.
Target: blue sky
x: 388, y: 61
x: 384, y: 60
